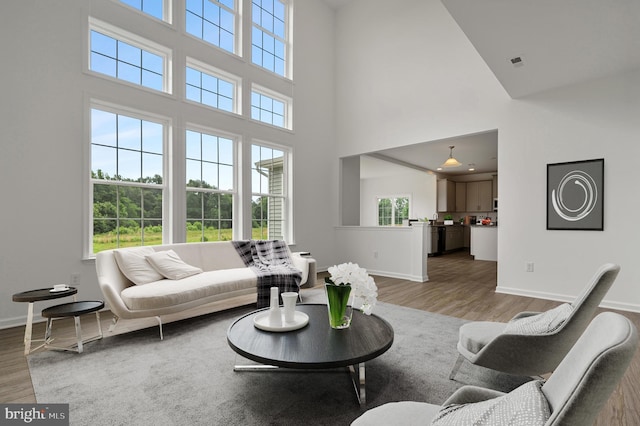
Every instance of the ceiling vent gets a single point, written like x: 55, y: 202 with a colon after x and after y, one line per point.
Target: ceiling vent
x: 517, y: 61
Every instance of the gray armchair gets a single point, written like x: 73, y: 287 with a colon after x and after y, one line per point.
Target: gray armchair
x: 575, y: 393
x: 484, y: 343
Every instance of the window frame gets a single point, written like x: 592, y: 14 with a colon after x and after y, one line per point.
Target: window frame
x: 219, y: 74
x: 287, y: 101
x: 136, y: 41
x: 288, y: 48
x: 287, y: 188
x: 167, y: 10
x: 165, y: 187
x: 236, y: 224
x: 237, y: 27
x: 393, y: 199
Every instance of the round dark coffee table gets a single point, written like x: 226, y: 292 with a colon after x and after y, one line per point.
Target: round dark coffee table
x: 73, y: 309
x: 315, y: 346
x: 39, y: 295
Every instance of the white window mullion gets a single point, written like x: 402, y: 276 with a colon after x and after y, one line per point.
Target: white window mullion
x: 128, y: 149
x: 108, y: 56
x: 270, y: 107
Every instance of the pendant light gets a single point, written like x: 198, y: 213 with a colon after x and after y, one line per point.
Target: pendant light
x: 451, y: 162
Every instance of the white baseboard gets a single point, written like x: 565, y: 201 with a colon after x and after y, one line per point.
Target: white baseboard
x: 19, y: 321
x: 388, y: 274
x: 608, y: 304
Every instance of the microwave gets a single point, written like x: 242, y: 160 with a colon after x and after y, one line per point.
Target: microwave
x: 495, y: 204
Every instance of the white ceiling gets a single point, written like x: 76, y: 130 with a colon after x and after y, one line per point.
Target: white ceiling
x: 479, y: 149
x: 560, y: 42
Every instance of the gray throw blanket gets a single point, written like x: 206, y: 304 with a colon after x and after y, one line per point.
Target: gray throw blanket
x: 271, y: 262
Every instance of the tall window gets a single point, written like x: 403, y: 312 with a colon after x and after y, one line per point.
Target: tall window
x: 269, y: 192
x: 392, y: 211
x: 210, y: 187
x: 211, y: 87
x: 269, y: 107
x: 213, y: 21
x: 150, y: 183
x: 127, y: 164
x: 120, y: 55
x: 153, y: 8
x: 269, y: 35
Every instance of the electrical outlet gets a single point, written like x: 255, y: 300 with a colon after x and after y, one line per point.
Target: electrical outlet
x: 75, y: 279
x: 529, y: 266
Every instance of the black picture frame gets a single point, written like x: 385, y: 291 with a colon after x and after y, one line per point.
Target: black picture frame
x: 575, y: 195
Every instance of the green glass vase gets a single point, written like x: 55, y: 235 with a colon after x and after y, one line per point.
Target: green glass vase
x: 338, y: 305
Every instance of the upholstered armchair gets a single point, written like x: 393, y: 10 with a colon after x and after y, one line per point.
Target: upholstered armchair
x: 573, y: 395
x: 533, y: 343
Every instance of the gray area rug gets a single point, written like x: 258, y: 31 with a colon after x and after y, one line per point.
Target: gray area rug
x: 188, y: 378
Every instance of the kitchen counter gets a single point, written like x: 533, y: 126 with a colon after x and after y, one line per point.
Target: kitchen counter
x: 484, y: 242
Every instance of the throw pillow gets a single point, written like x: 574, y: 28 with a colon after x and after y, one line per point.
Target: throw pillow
x: 169, y: 264
x: 525, y: 405
x: 134, y: 265
x: 545, y: 322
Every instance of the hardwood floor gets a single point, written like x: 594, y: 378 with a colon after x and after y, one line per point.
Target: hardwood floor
x: 458, y: 286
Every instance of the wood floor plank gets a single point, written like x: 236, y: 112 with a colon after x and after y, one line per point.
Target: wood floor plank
x: 458, y: 286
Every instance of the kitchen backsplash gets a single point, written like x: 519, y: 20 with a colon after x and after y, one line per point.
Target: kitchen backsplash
x: 479, y: 215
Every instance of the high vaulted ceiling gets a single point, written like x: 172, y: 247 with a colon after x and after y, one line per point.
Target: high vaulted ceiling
x: 559, y: 43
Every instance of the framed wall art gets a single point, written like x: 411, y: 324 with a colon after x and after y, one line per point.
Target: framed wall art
x: 575, y: 195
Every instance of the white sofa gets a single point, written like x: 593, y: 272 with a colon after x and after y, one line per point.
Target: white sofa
x: 223, y: 276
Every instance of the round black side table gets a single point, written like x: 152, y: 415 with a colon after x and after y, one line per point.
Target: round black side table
x: 73, y: 309
x: 39, y: 295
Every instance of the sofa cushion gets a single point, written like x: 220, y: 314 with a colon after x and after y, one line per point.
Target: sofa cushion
x: 133, y: 264
x: 169, y: 264
x: 526, y: 406
x: 209, y: 256
x: 165, y: 293
x: 543, y: 323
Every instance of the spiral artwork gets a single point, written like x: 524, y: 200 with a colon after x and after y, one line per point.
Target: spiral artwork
x: 586, y: 200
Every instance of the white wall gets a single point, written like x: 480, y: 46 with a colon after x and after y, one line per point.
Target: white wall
x: 407, y: 74
x: 43, y: 116
x: 420, y: 187
x: 420, y: 79
x: 390, y: 251
x: 349, y: 191
x: 314, y: 142
x: 592, y: 120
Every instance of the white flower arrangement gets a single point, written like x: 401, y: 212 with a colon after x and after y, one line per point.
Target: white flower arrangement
x: 363, y: 287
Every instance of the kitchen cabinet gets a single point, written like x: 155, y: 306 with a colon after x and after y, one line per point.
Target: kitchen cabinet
x: 433, y: 247
x: 454, y: 238
x: 446, y: 195
x: 484, y: 243
x: 494, y: 184
x: 461, y: 196
x: 480, y: 196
